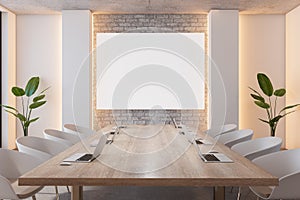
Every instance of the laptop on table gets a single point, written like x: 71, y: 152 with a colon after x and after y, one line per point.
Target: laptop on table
x: 181, y: 127
x: 174, y: 122
x: 85, y: 157
x: 212, y: 157
x: 207, y: 157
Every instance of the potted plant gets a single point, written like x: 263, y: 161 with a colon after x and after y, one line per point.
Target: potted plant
x: 269, y: 102
x: 29, y: 103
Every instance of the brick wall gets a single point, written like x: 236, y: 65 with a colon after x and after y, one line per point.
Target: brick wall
x: 148, y: 23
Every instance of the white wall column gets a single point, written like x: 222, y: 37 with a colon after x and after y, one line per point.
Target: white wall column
x: 76, y: 45
x: 223, y: 38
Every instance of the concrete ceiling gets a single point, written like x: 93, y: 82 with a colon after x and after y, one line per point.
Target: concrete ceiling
x: 150, y: 6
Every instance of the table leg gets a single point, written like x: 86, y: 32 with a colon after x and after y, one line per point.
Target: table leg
x: 77, y: 193
x: 219, y: 193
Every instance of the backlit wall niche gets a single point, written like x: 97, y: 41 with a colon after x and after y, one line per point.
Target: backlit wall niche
x: 119, y: 23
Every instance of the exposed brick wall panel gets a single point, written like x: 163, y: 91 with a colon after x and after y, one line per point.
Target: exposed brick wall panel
x: 147, y: 23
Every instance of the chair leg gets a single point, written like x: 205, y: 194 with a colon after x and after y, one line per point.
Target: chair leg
x: 239, y: 194
x: 68, y: 189
x: 33, y: 197
x: 56, y: 192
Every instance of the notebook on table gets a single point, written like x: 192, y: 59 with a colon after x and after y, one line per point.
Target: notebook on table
x: 85, y: 157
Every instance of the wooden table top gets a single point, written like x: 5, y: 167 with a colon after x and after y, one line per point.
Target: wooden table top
x: 148, y: 156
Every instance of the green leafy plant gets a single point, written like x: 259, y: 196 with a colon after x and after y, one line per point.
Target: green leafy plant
x: 29, y: 103
x: 270, y: 102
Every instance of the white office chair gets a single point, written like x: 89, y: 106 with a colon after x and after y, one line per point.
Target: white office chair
x: 235, y: 137
x: 80, y: 131
x: 40, y: 148
x: 255, y: 148
x: 286, y: 166
x: 219, y: 130
x: 62, y: 137
x: 258, y: 147
x: 14, y: 164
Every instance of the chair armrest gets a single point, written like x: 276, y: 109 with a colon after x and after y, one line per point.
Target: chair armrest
x: 6, y: 191
x: 288, y: 187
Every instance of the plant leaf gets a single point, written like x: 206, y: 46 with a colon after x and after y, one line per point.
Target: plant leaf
x: 9, y: 107
x: 17, y: 115
x: 265, y: 84
x: 18, y: 92
x: 265, y: 121
x: 262, y: 104
x: 40, y: 97
x: 37, y: 104
x: 21, y: 117
x: 288, y: 113
x: 280, y: 92
x: 289, y: 107
x: 276, y: 119
x: 12, y: 113
x: 256, y: 97
x: 27, y: 123
x: 254, y: 91
x: 45, y: 90
x: 32, y: 86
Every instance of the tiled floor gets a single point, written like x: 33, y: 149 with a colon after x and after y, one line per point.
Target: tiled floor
x: 144, y: 193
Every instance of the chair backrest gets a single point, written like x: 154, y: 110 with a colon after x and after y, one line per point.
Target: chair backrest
x: 218, y: 130
x: 235, y: 137
x: 40, y: 148
x: 13, y: 164
x: 286, y: 166
x: 80, y: 131
x: 6, y: 190
x: 60, y: 136
x: 258, y: 147
x: 280, y: 163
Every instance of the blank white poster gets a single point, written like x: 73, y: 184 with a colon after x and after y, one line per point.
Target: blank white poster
x: 150, y: 71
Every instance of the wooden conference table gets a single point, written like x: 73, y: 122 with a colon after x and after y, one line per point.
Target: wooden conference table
x: 163, y: 163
